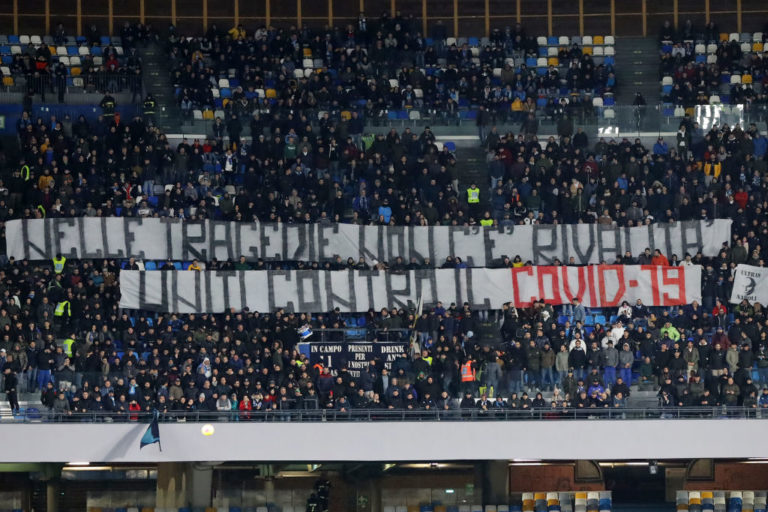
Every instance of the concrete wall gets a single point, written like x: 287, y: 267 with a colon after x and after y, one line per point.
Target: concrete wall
x: 380, y: 441
x: 552, y: 477
x: 733, y: 475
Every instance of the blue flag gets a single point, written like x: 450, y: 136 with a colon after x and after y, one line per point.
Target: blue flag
x: 152, y: 435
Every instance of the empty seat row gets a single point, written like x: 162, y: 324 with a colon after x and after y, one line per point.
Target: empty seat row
x: 578, y: 40
x: 49, y: 41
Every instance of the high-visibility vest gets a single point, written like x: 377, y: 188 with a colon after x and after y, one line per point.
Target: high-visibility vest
x: 68, y: 346
x: 25, y: 172
x: 61, y: 307
x: 58, y: 264
x: 473, y: 195
x: 486, y: 222
x: 713, y: 170
x: 467, y: 373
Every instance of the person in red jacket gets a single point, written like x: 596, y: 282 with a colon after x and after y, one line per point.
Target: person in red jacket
x: 134, y: 407
x: 659, y: 259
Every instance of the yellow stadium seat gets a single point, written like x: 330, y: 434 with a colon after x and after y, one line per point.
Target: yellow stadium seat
x: 8, y: 81
x: 52, y: 50
x: 746, y: 79
x: 723, y: 36
x: 581, y: 495
x: 757, y: 47
x: 598, y: 40
x: 553, y: 61
x: 539, y: 496
x: 707, y: 494
x: 208, y: 114
x: 271, y: 93
x: 587, y: 50
x: 307, y: 52
x: 413, y: 508
x: 224, y: 102
x: 346, y: 115
x: 75, y: 71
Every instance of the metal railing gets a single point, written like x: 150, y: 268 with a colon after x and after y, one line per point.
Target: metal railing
x: 332, y: 415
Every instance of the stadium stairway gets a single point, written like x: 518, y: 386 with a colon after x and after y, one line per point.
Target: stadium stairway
x: 472, y: 168
x: 157, y: 81
x: 639, y: 70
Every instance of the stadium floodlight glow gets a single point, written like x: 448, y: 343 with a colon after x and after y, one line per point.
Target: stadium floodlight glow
x: 449, y: 491
x: 78, y: 463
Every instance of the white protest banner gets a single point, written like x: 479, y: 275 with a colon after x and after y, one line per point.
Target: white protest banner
x: 357, y: 291
x: 163, y: 238
x: 750, y: 283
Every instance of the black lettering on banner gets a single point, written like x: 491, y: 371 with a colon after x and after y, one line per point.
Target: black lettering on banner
x: 188, y: 249
x: 395, y: 238
x: 489, y: 244
x: 169, y: 223
x: 457, y: 286
x: 45, y: 252
x: 333, y: 300
x: 431, y: 245
x: 312, y: 241
x: 651, y: 241
x: 144, y: 302
x: 582, y: 258
x: 412, y: 251
x: 564, y: 243
x: 668, y: 233
x: 105, y: 237
x: 627, y: 242
x: 687, y: 244
x: 485, y: 302
x: 362, y: 248
x: 179, y: 299
x: 284, y: 233
x: 395, y: 295
x: 322, y: 240
x: 267, y: 231
x: 130, y: 237
x: 368, y: 276
x: 60, y: 235
x: 289, y: 305
x: 315, y: 302
x: 603, y: 249
x: 164, y: 291
x: 216, y: 241
x: 252, y: 252
x: 472, y: 233
x: 419, y: 276
x: 299, y: 234
x: 539, y: 258
x: 84, y: 254
x: 451, y: 243
x: 208, y: 294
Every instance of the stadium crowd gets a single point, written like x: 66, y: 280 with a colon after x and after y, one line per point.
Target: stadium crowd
x: 701, y: 65
x: 63, y: 333
x: 375, y: 67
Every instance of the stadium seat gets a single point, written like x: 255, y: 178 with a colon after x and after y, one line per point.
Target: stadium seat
x: 609, y: 113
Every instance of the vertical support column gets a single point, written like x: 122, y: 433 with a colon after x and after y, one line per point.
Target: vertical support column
x: 111, y: 14
x: 298, y: 13
x: 374, y: 497
x: 675, y: 12
x: 645, y: 20
x: 141, y: 11
x: 494, y: 477
x: 549, y: 17
x: 171, y: 486
x: 423, y: 18
x: 487, y: 18
x: 237, y: 12
x: 613, y: 17
x: 15, y: 16
x: 330, y: 13
x: 392, y: 8
x: 518, y: 11
x: 79, y: 15
x: 581, y: 17
x: 455, y: 18
x: 48, y: 16
x: 52, y: 495
x: 706, y: 10
x: 173, y: 12
x: 268, y: 12
x: 362, y: 6
x: 205, y: 15
x: 200, y: 482
x: 739, y: 13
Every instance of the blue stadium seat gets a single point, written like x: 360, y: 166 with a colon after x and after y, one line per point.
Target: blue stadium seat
x: 96, y: 51
x: 150, y: 265
x: 13, y: 39
x: 226, y: 93
x: 473, y: 41
x: 530, y: 62
x: 177, y: 265
x: 450, y: 146
x: 72, y: 51
x: 105, y: 40
x: 392, y: 115
x: 402, y: 115
x: 553, y: 40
